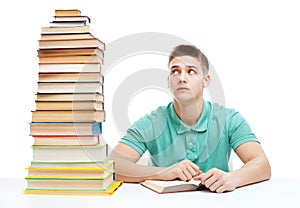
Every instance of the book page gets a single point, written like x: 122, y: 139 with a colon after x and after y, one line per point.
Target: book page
x: 174, y: 183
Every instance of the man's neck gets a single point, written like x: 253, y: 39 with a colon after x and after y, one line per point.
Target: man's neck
x: 189, y: 112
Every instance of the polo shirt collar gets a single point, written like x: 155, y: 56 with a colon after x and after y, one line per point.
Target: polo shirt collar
x: 181, y: 127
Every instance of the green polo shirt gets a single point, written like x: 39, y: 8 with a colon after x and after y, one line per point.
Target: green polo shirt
x: 208, y: 143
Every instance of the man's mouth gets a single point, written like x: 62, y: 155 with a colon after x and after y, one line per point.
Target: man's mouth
x: 182, y: 89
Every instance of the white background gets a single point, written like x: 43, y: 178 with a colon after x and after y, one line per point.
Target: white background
x: 253, y: 46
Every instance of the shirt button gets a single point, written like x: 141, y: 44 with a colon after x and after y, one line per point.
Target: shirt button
x: 191, y: 144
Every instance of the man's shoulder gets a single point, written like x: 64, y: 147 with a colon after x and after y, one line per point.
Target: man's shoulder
x: 161, y: 111
x: 218, y: 110
x: 160, y: 115
x: 156, y: 117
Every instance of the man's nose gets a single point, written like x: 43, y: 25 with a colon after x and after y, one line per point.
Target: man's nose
x: 182, y: 76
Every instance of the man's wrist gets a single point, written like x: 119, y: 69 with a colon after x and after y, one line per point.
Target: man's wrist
x: 159, y: 174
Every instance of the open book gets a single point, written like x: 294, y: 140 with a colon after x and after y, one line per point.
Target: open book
x: 172, y: 186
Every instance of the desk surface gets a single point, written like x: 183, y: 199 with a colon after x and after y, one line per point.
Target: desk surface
x: 277, y: 192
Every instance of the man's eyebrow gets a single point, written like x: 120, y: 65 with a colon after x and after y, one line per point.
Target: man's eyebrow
x: 192, y: 66
x: 174, y: 66
x: 188, y: 66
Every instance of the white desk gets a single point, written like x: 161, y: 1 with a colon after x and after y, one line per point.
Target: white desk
x: 273, y: 193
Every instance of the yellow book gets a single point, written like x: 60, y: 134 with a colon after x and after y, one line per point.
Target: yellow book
x: 82, y: 184
x: 108, y: 192
x: 100, y: 172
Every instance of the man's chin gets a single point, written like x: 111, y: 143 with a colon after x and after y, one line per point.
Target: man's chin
x: 184, y: 97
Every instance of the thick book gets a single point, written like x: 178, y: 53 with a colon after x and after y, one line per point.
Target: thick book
x: 70, y: 183
x: 70, y: 87
x: 67, y: 12
x: 172, y: 186
x: 70, y: 52
x: 65, y: 128
x: 70, y: 153
x: 67, y: 68
x: 70, y: 97
x: 99, y: 172
x: 67, y: 30
x: 87, y: 192
x: 71, y: 59
x: 67, y: 23
x: 76, y: 164
x: 80, y: 43
x: 68, y: 116
x: 69, y: 105
x: 72, y: 18
x: 66, y: 140
x: 67, y: 36
x: 71, y: 77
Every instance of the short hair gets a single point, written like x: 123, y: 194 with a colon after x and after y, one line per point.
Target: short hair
x: 190, y: 50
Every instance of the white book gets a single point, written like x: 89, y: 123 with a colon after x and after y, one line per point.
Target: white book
x: 172, y: 186
x: 70, y: 153
x: 70, y: 87
x: 70, y: 67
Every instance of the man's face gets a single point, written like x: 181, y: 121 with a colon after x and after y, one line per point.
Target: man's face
x: 186, y: 78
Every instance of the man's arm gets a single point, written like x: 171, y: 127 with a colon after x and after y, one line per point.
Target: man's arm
x: 256, y: 168
x: 127, y: 170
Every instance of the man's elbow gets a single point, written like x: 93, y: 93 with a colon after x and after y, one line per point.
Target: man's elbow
x: 112, y: 155
x: 267, y: 170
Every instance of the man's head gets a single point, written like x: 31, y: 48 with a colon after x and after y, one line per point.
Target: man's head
x: 190, y: 50
x: 188, y: 69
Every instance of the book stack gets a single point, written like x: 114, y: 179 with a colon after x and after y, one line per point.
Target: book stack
x: 69, y: 154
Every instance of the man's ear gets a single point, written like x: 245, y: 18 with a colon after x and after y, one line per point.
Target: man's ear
x: 206, y: 80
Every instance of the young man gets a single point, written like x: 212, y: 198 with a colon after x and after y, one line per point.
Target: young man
x: 191, y: 138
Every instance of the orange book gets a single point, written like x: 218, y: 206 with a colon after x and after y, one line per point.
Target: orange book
x: 67, y: 12
x: 68, y: 116
x: 66, y: 36
x: 73, y: 43
x: 70, y: 52
x: 71, y: 77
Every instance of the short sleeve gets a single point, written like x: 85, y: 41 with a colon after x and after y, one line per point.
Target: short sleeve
x: 239, y: 131
x: 138, y: 135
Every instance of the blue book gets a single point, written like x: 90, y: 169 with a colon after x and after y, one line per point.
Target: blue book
x: 65, y: 128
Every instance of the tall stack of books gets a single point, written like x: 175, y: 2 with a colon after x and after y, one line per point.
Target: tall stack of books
x: 69, y: 154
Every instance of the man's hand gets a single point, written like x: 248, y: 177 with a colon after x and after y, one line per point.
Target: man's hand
x: 217, y: 180
x: 183, y: 170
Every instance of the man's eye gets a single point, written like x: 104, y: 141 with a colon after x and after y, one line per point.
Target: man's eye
x: 174, y: 72
x: 192, y: 71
